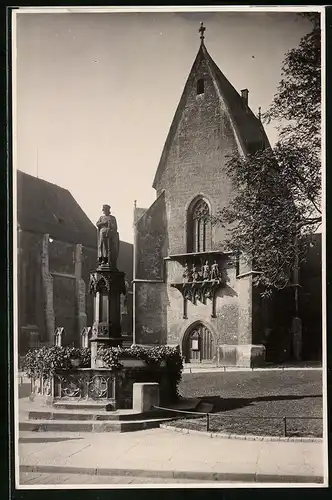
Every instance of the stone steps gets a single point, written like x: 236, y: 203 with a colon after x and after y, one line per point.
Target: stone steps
x: 80, y: 405
x: 89, y: 425
x: 88, y: 415
x: 92, y: 416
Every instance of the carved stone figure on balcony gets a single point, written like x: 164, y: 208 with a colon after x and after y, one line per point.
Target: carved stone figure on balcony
x: 206, y: 271
x: 199, y: 294
x: 188, y: 294
x: 215, y: 271
x: 187, y: 274
x: 108, y: 238
x: 195, y: 273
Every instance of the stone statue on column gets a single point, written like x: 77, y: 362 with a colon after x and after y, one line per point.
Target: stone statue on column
x: 108, y: 238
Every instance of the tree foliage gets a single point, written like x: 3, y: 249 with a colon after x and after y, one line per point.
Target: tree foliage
x: 277, y: 190
x: 298, y: 100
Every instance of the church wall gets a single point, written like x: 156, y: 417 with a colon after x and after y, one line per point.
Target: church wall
x: 243, y: 325
x: 65, y: 308
x: 89, y: 258
x: 232, y: 324
x: 151, y: 246
x: 30, y: 289
x: 151, y: 322
x: 53, y: 279
x: 195, y: 163
x: 310, y: 300
x: 151, y: 242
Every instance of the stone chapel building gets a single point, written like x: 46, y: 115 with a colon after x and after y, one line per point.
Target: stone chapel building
x: 221, y: 321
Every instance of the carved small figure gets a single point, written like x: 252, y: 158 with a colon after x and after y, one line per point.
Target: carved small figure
x: 59, y: 332
x: 206, y: 271
x: 187, y: 274
x: 215, y: 271
x: 195, y: 273
x: 187, y: 294
x: 108, y: 238
x: 208, y: 293
x: 198, y: 294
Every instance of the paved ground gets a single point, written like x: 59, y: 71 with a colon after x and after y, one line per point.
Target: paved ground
x: 36, y: 478
x: 156, y: 455
x: 165, y: 454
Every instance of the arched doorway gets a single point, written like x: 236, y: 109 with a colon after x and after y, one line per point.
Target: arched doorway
x: 198, y: 344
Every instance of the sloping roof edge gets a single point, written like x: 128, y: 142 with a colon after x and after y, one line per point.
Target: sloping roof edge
x: 176, y: 119
x: 219, y: 79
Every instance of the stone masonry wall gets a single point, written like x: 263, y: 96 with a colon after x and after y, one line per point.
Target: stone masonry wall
x: 232, y: 321
x: 53, y: 279
x: 196, y: 166
x: 196, y: 160
x: 151, y: 246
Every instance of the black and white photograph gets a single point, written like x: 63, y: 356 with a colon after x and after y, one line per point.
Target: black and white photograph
x: 169, y: 262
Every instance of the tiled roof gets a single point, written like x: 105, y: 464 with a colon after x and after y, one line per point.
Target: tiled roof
x: 44, y: 207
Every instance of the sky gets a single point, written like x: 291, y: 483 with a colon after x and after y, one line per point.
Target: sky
x: 96, y: 93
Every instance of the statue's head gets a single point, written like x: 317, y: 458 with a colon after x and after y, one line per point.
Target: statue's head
x: 106, y: 209
x: 206, y: 262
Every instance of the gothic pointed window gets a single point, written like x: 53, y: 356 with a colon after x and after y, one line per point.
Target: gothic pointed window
x: 199, y: 227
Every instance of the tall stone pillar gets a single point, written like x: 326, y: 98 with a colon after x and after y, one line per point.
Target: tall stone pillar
x: 107, y: 284
x: 48, y: 290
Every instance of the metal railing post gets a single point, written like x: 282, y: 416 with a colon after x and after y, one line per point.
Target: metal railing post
x: 207, y: 415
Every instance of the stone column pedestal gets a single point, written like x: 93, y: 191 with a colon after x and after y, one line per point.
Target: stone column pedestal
x: 107, y: 285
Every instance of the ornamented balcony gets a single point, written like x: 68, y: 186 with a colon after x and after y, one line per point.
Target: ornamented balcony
x: 199, y: 276
x: 199, y: 290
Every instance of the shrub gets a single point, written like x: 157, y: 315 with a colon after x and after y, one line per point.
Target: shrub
x: 153, y: 356
x: 45, y: 361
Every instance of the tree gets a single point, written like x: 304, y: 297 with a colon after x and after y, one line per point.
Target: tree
x: 277, y: 190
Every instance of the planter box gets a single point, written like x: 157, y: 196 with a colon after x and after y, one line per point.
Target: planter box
x: 133, y: 363
x: 115, y: 389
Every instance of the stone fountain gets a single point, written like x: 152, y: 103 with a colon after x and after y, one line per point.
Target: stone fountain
x: 100, y: 384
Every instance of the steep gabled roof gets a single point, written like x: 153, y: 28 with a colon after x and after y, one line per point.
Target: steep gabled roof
x: 248, y: 129
x: 46, y: 208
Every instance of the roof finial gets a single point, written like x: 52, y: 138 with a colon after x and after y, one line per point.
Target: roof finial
x: 260, y: 114
x: 135, y: 204
x: 201, y: 31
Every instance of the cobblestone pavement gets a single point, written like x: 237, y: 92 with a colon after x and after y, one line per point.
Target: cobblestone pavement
x: 35, y: 478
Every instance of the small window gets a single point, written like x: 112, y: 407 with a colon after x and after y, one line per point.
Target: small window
x: 200, y: 86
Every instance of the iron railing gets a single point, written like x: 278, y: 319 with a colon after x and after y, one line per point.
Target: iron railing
x: 208, y: 416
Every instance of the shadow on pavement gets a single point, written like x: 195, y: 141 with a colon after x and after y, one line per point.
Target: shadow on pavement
x: 45, y: 439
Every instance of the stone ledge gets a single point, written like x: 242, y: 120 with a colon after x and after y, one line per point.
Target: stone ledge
x: 243, y: 437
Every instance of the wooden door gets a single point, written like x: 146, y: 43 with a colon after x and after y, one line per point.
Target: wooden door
x: 199, y: 344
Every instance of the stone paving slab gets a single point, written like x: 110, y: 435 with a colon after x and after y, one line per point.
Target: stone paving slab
x: 37, y: 478
x: 168, y: 454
